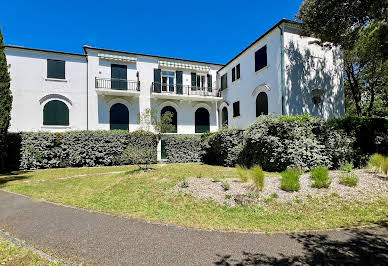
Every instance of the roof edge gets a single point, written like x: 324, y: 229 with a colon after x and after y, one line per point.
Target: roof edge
x: 42, y: 50
x: 85, y: 47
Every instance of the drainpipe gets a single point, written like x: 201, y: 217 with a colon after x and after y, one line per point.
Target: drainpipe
x: 282, y: 75
x: 87, y: 92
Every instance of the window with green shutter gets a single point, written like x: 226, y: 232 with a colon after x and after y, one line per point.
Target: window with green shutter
x: 55, y: 113
x: 55, y: 69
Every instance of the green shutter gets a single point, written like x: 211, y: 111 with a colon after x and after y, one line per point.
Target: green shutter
x: 209, y: 82
x: 119, y: 77
x: 55, y: 113
x: 55, y: 69
x: 119, y: 117
x: 157, y: 80
x: 179, y: 82
x: 193, y: 81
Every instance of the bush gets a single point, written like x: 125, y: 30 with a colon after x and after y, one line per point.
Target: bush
x: 79, y: 148
x: 141, y: 156
x: 290, y: 180
x: 222, y: 147
x: 320, y: 176
x: 378, y: 163
x: 258, y: 177
x: 183, y: 148
x: 347, y: 167
x: 225, y: 185
x: 349, y: 180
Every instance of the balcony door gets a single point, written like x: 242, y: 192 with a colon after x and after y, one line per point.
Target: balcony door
x: 119, y: 77
x: 168, y: 80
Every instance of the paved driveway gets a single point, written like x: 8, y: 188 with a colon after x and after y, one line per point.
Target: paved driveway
x: 82, y: 236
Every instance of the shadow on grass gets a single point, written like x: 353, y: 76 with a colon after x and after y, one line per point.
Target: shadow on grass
x: 138, y: 170
x: 13, y: 176
x: 361, y: 248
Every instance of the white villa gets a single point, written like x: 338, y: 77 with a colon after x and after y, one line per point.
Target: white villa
x: 281, y: 72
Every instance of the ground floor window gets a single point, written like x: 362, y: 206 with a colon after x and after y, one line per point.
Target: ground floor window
x: 119, y: 117
x: 224, y: 115
x: 174, y: 121
x: 202, y: 120
x: 55, y: 113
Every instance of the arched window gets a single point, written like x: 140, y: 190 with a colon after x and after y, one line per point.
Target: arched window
x: 174, y: 121
x: 261, y: 104
x: 119, y: 117
x: 202, y: 120
x: 55, y: 113
x: 224, y: 114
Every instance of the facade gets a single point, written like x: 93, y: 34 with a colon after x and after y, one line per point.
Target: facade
x: 280, y: 73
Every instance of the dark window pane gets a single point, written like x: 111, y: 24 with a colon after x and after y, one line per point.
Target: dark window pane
x: 55, y: 69
x: 119, y: 77
x: 236, y: 109
x: 202, y: 120
x: 119, y: 117
x: 55, y: 113
x: 174, y: 121
x: 224, y: 116
x: 233, y: 74
x: 261, y: 58
x: 224, y: 82
x: 238, y: 71
x: 261, y: 104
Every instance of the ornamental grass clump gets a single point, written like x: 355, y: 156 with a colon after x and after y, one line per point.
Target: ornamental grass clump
x: 378, y: 163
x: 290, y: 180
x: 243, y: 173
x: 257, y: 175
x: 320, y: 176
x: 349, y: 180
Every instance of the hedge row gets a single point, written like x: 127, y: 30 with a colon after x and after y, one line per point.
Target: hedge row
x: 183, y: 148
x: 36, y: 150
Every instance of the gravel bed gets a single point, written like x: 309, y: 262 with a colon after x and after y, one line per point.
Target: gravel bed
x: 369, y: 186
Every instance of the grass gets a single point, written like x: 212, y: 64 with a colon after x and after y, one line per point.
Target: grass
x: 225, y: 185
x: 349, y: 180
x: 243, y: 173
x: 11, y: 254
x: 379, y: 163
x: 150, y: 195
x: 256, y: 174
x: 320, y: 176
x: 290, y: 180
x: 347, y: 167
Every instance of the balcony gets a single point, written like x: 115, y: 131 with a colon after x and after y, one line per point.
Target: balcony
x: 184, y: 92
x: 117, y: 87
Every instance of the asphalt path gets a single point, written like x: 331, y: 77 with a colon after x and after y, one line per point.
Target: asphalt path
x: 81, y: 236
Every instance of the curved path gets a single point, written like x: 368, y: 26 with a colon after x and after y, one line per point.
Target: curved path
x: 96, y: 238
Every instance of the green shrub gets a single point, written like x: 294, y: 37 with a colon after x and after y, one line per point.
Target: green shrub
x: 141, y: 156
x: 320, y: 176
x: 349, y: 180
x: 183, y: 148
x: 243, y: 173
x: 376, y: 162
x: 258, y: 177
x: 347, y: 167
x: 184, y: 183
x: 290, y: 180
x: 225, y: 185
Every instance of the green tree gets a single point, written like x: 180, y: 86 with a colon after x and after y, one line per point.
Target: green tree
x: 149, y: 119
x: 5, y: 104
x: 360, y: 28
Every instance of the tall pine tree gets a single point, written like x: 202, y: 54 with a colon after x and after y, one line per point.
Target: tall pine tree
x: 5, y: 104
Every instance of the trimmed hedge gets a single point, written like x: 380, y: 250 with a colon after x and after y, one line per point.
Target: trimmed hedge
x: 77, y: 148
x: 183, y: 148
x: 222, y: 147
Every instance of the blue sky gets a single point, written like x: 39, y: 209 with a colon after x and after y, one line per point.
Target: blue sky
x: 213, y: 31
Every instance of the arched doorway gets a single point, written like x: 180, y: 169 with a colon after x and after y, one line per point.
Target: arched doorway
x: 202, y: 120
x: 174, y: 121
x: 224, y: 117
x: 55, y: 113
x: 261, y: 104
x: 119, y: 117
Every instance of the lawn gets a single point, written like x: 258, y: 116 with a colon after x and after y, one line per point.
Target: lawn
x: 11, y: 254
x: 150, y: 195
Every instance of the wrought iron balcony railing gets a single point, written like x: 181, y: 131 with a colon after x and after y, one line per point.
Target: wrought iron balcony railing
x: 177, y: 89
x: 117, y: 84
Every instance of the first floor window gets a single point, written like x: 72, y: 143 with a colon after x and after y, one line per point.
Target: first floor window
x: 55, y: 69
x: 236, y: 73
x: 236, y: 109
x: 261, y: 58
x: 55, y: 113
x: 168, y: 80
x: 224, y: 81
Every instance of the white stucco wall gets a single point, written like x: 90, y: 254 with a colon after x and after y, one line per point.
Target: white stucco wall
x: 31, y: 89
x: 308, y: 67
x: 251, y: 83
